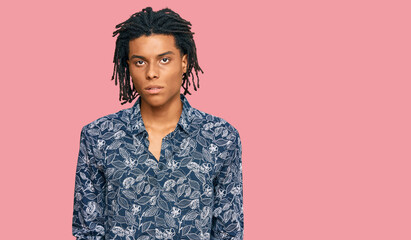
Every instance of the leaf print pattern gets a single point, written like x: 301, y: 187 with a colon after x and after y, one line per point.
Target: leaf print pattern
x: 193, y: 192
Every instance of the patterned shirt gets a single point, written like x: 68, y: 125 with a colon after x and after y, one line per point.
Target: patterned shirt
x: 193, y: 192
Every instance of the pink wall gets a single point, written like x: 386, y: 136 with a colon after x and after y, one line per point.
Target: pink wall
x: 319, y: 91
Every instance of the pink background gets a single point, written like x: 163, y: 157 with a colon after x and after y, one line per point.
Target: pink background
x: 319, y: 91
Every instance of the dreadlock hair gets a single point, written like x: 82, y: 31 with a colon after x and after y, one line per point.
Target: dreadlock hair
x: 147, y: 22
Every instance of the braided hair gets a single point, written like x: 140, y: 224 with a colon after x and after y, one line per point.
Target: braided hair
x: 147, y: 22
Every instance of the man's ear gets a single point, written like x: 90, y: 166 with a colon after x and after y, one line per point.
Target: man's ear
x: 128, y: 63
x: 184, y: 63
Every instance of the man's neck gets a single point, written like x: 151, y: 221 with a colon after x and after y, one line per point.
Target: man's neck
x: 163, y: 118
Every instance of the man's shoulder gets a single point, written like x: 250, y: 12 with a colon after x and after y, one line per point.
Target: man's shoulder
x: 109, y: 121
x: 216, y: 124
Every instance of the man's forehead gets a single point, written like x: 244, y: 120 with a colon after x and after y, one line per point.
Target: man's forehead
x: 153, y: 45
x: 158, y: 55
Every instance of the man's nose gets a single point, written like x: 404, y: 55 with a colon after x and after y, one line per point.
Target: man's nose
x: 152, y: 71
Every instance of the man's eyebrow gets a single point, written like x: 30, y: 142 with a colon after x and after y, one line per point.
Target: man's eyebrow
x: 159, y: 55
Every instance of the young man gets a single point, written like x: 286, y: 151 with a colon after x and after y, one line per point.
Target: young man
x: 160, y: 169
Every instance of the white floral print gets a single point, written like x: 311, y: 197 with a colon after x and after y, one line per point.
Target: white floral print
x: 193, y: 192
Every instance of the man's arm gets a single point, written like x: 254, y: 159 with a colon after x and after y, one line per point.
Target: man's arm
x: 228, y: 217
x: 88, y: 211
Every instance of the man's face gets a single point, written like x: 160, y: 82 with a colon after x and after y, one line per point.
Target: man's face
x: 155, y: 61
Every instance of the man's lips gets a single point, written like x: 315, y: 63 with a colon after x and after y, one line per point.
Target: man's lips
x: 153, y: 89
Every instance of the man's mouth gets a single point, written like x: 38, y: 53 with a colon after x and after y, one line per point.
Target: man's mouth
x: 154, y: 89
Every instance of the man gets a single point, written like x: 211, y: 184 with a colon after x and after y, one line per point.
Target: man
x: 160, y: 169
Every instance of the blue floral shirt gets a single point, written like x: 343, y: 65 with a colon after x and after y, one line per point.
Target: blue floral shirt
x: 194, y: 191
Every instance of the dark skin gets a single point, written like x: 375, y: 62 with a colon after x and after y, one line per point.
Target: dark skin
x: 156, y: 61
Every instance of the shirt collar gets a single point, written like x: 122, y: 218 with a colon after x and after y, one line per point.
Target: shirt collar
x: 184, y: 122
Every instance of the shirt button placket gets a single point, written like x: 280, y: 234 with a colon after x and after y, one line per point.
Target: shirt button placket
x: 163, y: 167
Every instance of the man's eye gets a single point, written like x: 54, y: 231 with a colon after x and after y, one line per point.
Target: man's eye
x: 165, y: 60
x: 138, y: 63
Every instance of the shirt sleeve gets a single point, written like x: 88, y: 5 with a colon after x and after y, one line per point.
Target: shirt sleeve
x: 228, y: 217
x: 88, y: 211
